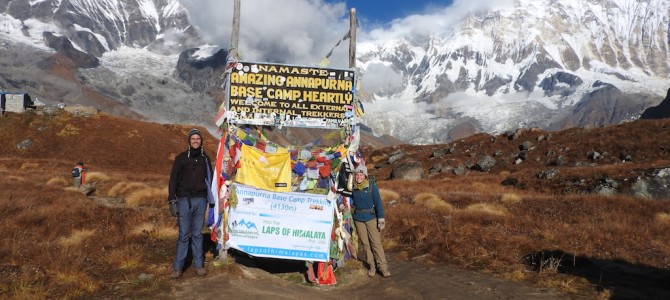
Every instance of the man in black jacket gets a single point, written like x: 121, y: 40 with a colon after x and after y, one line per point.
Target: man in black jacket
x: 188, y: 192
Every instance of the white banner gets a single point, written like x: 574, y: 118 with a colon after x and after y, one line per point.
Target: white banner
x: 280, y: 225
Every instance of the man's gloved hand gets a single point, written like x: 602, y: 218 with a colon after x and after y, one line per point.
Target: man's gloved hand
x: 173, y: 207
x: 381, y: 224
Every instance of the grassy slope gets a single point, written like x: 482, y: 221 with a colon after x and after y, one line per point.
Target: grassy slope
x: 58, y: 243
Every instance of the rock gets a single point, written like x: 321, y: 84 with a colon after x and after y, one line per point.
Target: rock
x: 525, y: 145
x: 438, y: 154
x: 518, y: 161
x: 497, y: 153
x: 88, y: 188
x: 540, y: 138
x: 436, y: 168
x: 459, y: 171
x: 378, y: 156
x: 548, y: 174
x: 585, y: 164
x: 396, y: 156
x: 485, y: 163
x: 25, y: 144
x: 606, y: 191
x: 408, y: 170
x: 515, y: 135
x: 64, y: 46
x: 145, y: 277
x: 594, y: 155
x: 510, y: 181
x: 560, y: 161
x: 201, y: 73
x: 653, y: 186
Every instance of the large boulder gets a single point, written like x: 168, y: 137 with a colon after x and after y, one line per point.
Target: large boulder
x: 409, y: 170
x: 654, y: 186
x: 485, y: 163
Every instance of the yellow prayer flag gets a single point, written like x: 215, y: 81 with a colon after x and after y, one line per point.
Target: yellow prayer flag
x: 266, y: 171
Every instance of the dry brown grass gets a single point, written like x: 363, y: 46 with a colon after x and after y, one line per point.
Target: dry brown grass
x: 96, y: 176
x: 388, y: 195
x: 69, y: 130
x: 431, y: 201
x: 124, y: 187
x: 27, y: 166
x: 107, y: 250
x: 510, y: 198
x: 149, y: 196
x: 487, y: 208
x: 58, y: 182
x: 662, y: 219
x: 151, y: 230
x: 76, y: 238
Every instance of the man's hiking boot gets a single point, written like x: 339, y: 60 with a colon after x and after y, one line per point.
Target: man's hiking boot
x: 386, y: 273
x: 371, y: 272
x: 200, y: 271
x: 175, y: 274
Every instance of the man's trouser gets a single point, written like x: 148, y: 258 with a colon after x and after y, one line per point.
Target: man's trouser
x: 190, y: 219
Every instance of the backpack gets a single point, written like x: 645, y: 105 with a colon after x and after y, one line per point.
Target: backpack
x: 372, y: 180
x: 76, y: 172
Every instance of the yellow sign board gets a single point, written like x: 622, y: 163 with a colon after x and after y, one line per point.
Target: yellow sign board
x: 282, y: 95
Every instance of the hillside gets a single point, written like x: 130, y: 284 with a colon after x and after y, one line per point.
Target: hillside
x: 622, y: 152
x: 589, y: 229
x: 101, y: 140
x: 576, y: 160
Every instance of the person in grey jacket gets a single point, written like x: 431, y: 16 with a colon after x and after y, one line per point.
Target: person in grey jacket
x: 369, y: 220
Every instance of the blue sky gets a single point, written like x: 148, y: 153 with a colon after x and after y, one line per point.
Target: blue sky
x: 384, y: 11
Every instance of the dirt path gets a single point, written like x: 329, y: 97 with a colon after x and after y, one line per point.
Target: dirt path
x: 408, y: 281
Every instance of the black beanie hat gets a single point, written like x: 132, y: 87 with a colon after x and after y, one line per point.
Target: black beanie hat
x: 192, y: 132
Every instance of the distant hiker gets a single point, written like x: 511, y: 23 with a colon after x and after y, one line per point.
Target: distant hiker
x: 187, y: 196
x: 79, y: 174
x: 369, y: 219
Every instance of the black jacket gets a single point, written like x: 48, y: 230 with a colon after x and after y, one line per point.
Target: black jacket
x: 189, y: 175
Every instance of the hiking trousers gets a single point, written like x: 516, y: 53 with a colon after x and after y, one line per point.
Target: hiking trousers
x: 371, y: 237
x: 190, y: 219
x: 76, y: 181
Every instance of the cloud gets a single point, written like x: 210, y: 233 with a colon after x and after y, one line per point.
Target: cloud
x: 297, y: 32
x: 442, y: 20
x: 381, y: 78
x: 303, y: 31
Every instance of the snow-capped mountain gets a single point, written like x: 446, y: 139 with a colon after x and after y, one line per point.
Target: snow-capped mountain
x: 540, y: 63
x: 127, y: 57
x: 537, y: 63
